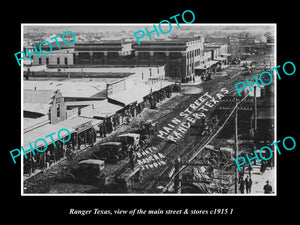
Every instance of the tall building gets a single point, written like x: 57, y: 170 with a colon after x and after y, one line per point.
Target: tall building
x: 104, y: 52
x: 180, y: 56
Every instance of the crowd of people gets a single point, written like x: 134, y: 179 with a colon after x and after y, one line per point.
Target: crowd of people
x: 56, y: 152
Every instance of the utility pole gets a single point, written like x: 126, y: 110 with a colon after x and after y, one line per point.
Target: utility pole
x: 236, y: 144
x: 180, y: 75
x: 255, y: 110
x: 177, y: 180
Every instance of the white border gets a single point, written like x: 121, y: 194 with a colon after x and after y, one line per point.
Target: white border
x: 147, y: 24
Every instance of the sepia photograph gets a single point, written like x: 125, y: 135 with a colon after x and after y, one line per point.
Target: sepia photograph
x: 144, y: 109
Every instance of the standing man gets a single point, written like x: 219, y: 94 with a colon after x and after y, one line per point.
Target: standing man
x: 248, y: 184
x: 242, y: 186
x: 48, y: 163
x: 268, y: 188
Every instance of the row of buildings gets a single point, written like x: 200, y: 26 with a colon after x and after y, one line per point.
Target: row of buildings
x: 183, y: 57
x: 86, y: 101
x: 93, y: 87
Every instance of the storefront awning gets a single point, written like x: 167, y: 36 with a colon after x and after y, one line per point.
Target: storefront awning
x: 77, y: 124
x: 103, y: 109
x: 226, y: 54
x: 42, y: 132
x: 220, y: 59
x: 206, y: 65
x: 160, y: 85
x: 130, y: 96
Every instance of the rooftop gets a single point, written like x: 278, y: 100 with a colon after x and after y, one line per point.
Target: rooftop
x: 41, y: 96
x: 127, y: 70
x: 36, y: 107
x: 103, y: 109
x: 31, y: 123
x: 41, y: 132
x: 219, y: 40
x: 92, y: 161
x: 67, y: 88
x: 171, y: 40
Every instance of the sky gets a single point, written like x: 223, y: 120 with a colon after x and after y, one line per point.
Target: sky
x: 133, y: 27
x: 128, y: 30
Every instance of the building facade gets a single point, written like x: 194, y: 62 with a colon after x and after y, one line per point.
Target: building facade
x: 60, y: 57
x: 45, y: 102
x: 180, y: 56
x: 105, y: 52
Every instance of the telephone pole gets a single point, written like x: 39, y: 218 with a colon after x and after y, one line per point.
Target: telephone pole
x: 255, y: 109
x: 177, y: 180
x: 236, y: 144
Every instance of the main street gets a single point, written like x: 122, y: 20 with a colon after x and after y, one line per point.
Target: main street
x: 53, y: 180
x: 153, y: 177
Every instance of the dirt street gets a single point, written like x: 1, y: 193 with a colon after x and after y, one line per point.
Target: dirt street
x: 50, y: 180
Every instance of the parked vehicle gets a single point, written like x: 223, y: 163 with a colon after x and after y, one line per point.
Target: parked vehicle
x: 110, y: 152
x: 130, y: 140
x: 89, y: 171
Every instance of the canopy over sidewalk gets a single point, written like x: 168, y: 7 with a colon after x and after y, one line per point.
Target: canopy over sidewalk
x: 103, y: 109
x: 130, y: 96
x: 206, y: 65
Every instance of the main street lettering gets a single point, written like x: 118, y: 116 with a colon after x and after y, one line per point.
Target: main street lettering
x: 178, y: 127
